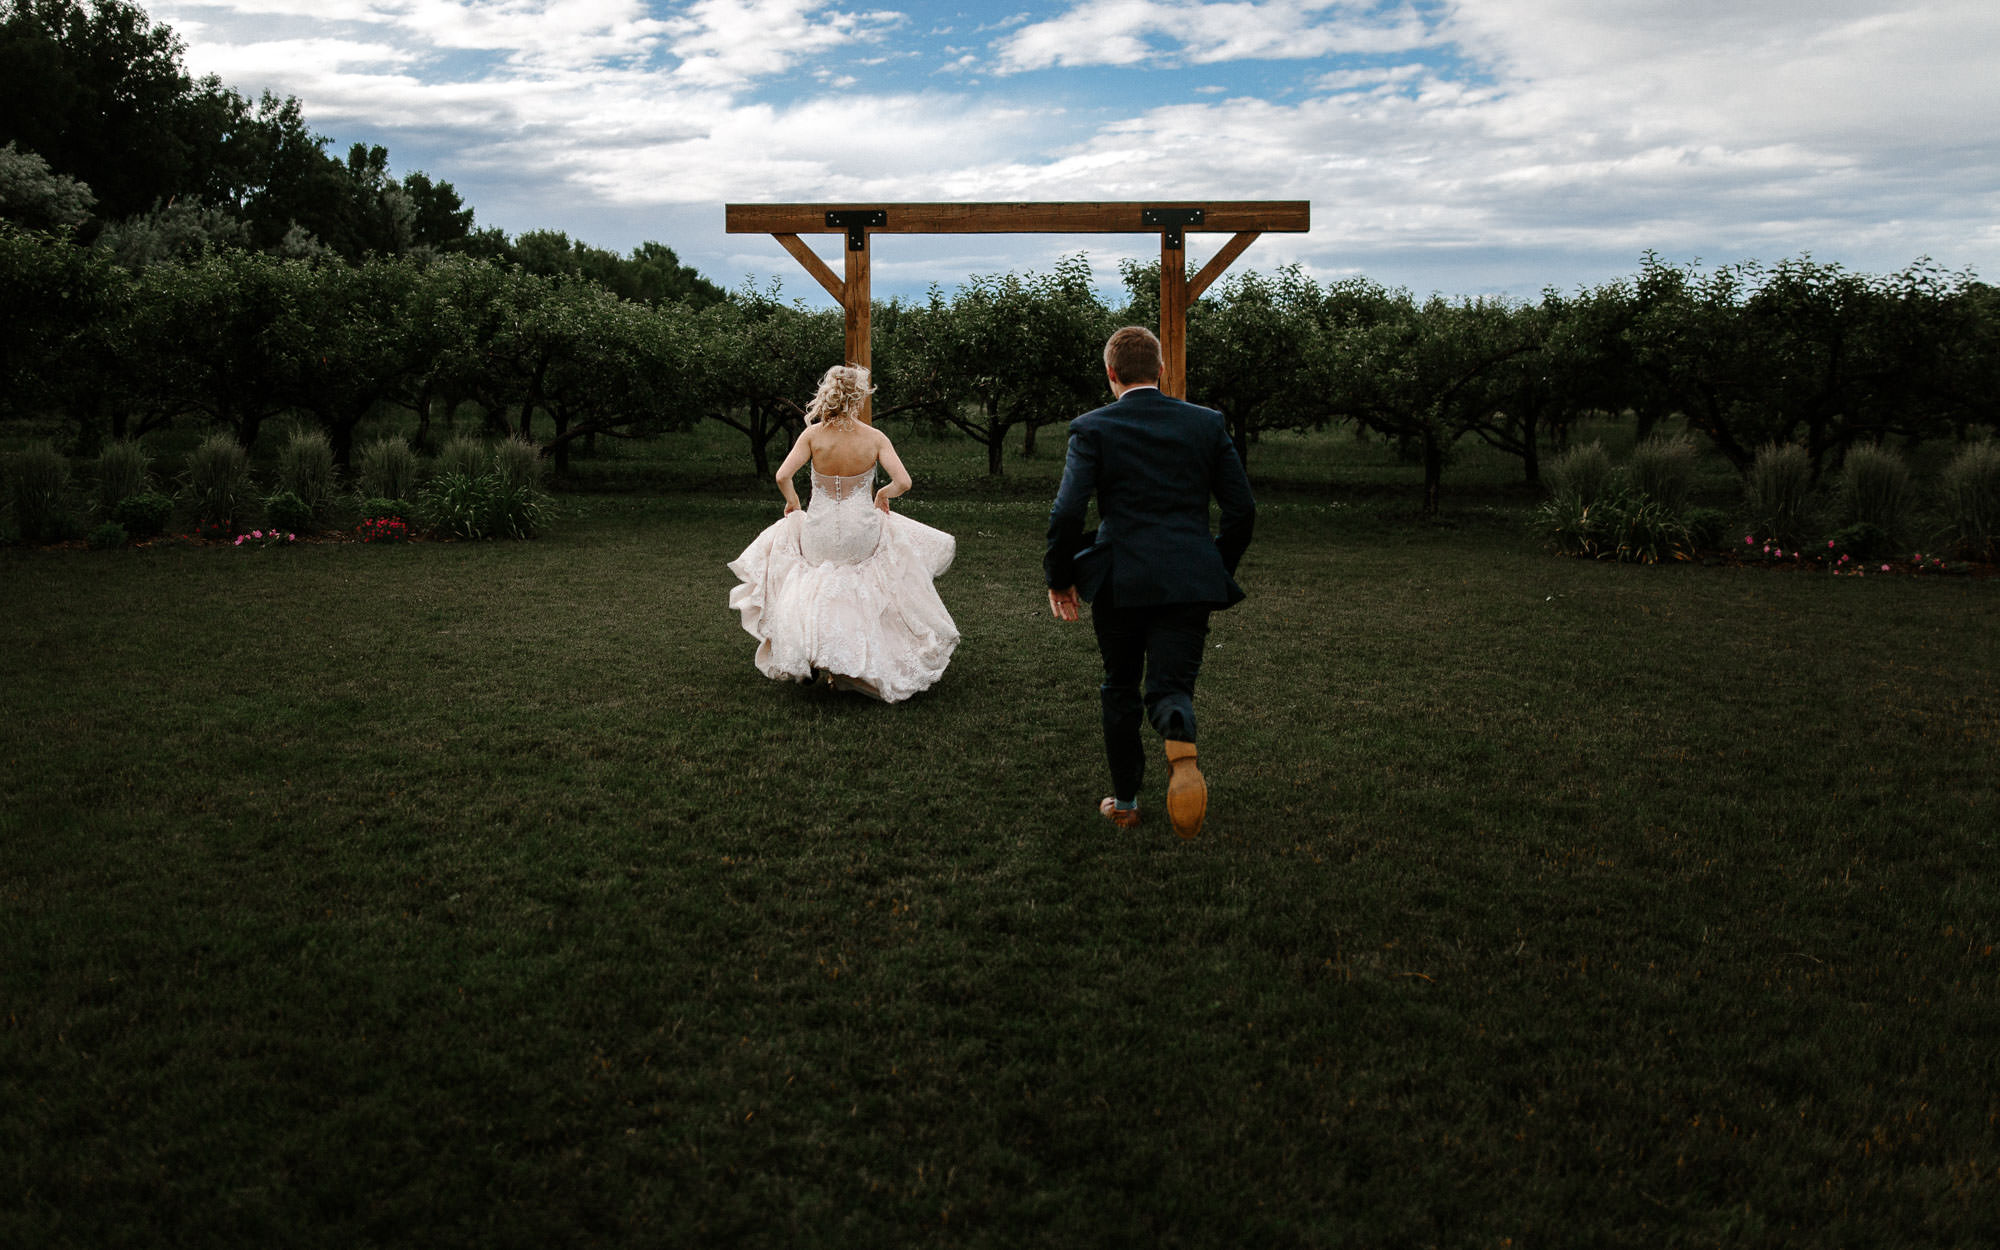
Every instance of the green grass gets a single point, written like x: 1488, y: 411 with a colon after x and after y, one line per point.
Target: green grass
x: 484, y: 895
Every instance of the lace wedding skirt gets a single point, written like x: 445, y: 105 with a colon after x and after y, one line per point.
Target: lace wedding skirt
x: 842, y: 586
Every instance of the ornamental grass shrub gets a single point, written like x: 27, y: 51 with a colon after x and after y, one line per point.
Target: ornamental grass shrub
x: 463, y: 457
x: 216, y: 484
x: 306, y: 472
x: 518, y: 462
x: 454, y: 505
x: 1619, y: 524
x: 1583, y: 473
x: 38, y: 495
x: 1662, y: 469
x: 1874, y: 489
x: 388, y: 469
x: 1969, y: 490
x: 121, y: 473
x: 1777, y: 493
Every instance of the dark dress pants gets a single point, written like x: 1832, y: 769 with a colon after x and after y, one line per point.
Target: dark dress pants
x: 1160, y: 649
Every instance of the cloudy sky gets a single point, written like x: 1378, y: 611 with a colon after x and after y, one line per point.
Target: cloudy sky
x: 1462, y: 146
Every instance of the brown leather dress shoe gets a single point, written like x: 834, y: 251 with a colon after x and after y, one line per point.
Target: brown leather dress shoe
x: 1187, y: 790
x: 1127, y: 819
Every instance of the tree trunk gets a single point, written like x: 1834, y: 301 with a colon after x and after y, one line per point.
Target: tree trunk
x: 340, y: 433
x: 760, y: 445
x: 1028, y: 441
x: 1433, y: 473
x: 994, y: 447
x: 423, y: 411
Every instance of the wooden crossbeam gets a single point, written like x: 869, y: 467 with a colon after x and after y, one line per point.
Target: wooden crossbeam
x: 1077, y: 217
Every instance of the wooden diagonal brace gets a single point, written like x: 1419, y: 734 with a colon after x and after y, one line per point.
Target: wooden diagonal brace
x: 1219, y: 262
x: 814, y: 266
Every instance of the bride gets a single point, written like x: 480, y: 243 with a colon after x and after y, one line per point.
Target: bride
x: 840, y: 591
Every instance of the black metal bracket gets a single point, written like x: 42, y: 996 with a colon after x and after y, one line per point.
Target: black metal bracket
x: 856, y: 223
x: 1171, y: 221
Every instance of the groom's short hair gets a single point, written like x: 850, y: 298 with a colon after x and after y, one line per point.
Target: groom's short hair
x: 1134, y: 355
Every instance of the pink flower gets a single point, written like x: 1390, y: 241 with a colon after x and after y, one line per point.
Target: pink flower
x: 256, y: 533
x: 1829, y: 544
x: 291, y: 538
x: 1749, y: 540
x: 1885, y: 568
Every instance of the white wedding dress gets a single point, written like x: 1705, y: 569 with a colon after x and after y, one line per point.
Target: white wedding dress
x: 844, y: 587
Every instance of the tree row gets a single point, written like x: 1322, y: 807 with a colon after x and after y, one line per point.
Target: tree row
x: 1801, y: 352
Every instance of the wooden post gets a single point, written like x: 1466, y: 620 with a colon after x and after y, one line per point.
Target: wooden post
x: 855, y: 301
x: 1173, y: 314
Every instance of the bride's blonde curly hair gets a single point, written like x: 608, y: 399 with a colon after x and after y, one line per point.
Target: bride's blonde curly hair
x: 842, y: 391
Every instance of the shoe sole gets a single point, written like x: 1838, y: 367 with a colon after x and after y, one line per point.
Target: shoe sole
x: 1187, y: 798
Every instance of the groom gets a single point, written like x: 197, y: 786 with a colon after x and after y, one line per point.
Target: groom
x: 1150, y: 570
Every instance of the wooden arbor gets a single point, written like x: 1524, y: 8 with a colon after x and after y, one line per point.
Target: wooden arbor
x: 1244, y: 219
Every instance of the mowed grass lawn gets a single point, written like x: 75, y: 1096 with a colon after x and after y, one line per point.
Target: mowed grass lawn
x: 484, y: 895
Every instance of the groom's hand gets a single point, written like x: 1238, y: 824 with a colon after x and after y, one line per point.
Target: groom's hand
x: 1064, y: 603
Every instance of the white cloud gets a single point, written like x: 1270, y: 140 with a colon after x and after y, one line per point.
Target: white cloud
x: 1129, y: 32
x: 235, y: 62
x: 732, y: 41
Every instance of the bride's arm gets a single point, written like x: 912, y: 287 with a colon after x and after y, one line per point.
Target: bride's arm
x: 899, y: 477
x: 801, y: 452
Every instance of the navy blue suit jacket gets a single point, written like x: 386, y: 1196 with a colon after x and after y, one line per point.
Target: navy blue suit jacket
x: 1151, y: 462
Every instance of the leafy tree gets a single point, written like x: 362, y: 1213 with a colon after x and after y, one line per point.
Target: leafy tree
x: 506, y: 349
x: 1939, y: 341
x: 60, y: 305
x: 221, y: 336
x: 653, y: 274
x: 1527, y: 387
x: 37, y: 198
x: 1810, y: 325
x: 174, y: 231
x: 1427, y: 376
x: 438, y: 217
x: 451, y: 308
x: 759, y: 361
x: 358, y: 347
x: 659, y: 277
x: 1254, y: 347
x: 1012, y: 350
x: 625, y: 372
x: 98, y: 90
x: 1687, y: 340
x: 283, y: 179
